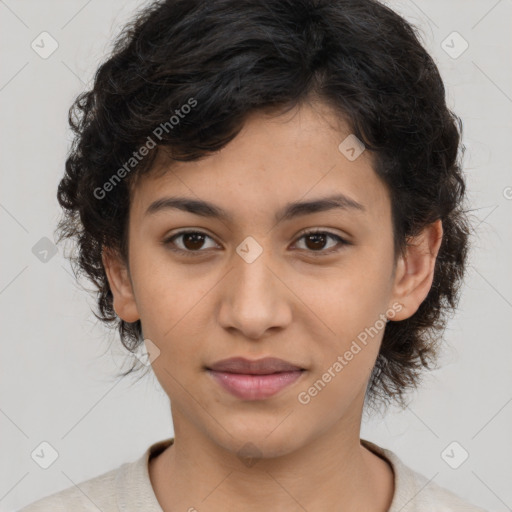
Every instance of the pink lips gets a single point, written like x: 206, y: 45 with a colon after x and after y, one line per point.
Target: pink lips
x: 254, y: 380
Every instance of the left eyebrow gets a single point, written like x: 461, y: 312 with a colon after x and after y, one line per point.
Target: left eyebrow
x: 290, y: 211
x: 336, y: 202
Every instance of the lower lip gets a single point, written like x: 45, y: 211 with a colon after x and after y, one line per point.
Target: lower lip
x: 255, y: 387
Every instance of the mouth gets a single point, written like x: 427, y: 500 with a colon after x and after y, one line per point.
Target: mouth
x: 254, y: 379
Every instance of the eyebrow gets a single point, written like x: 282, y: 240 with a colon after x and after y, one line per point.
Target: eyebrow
x: 290, y: 211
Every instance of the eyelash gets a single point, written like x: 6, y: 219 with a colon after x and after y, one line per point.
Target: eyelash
x: 169, y: 241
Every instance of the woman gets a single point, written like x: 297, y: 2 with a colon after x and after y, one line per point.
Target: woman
x: 268, y: 198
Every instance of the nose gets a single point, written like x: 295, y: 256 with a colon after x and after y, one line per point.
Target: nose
x: 255, y: 297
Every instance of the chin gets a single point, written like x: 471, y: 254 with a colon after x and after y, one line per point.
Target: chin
x: 259, y: 442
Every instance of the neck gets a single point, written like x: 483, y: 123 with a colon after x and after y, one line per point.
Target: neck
x: 332, y: 471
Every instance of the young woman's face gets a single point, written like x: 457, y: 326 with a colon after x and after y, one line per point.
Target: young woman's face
x: 254, y: 285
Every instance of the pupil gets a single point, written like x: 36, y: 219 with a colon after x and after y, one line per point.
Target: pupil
x: 315, y: 238
x: 196, y: 239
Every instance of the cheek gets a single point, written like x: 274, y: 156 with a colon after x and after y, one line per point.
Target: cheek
x: 353, y: 309
x: 345, y: 355
x: 175, y: 310
x: 165, y: 293
x: 355, y: 296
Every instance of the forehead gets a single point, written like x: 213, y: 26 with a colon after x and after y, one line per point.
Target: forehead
x: 273, y: 161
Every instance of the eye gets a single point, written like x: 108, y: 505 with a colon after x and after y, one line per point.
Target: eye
x: 192, y: 241
x: 317, y: 239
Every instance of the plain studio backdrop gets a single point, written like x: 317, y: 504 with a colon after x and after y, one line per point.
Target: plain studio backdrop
x: 57, y: 383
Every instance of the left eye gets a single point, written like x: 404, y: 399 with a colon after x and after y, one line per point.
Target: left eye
x: 319, y: 237
x: 194, y: 240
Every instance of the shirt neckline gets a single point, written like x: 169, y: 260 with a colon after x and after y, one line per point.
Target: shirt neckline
x: 403, y: 477
x: 133, y: 484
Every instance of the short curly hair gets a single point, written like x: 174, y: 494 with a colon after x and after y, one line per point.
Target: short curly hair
x: 236, y: 57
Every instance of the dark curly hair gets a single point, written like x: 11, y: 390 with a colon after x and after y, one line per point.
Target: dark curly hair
x: 236, y: 57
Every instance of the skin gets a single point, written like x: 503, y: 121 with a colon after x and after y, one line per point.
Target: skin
x: 288, y: 303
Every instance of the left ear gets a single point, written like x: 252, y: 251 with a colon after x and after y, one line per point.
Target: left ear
x: 415, y: 271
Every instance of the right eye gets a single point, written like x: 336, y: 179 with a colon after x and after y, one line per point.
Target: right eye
x: 191, y: 243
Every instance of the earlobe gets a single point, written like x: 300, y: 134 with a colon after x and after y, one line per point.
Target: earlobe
x: 120, y: 285
x: 415, y: 270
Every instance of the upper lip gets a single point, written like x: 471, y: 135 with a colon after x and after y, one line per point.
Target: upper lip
x: 263, y: 366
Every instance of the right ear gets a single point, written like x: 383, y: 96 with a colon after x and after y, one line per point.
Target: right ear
x: 120, y: 285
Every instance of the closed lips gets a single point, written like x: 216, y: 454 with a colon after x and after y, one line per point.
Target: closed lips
x: 265, y: 366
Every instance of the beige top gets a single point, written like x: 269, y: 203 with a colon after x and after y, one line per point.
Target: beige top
x: 128, y: 489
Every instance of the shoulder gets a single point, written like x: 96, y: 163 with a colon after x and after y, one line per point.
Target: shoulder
x: 435, y: 497
x: 416, y: 493
x: 127, y: 488
x: 98, y: 493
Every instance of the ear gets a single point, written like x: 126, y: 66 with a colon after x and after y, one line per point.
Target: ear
x: 415, y: 271
x: 120, y: 285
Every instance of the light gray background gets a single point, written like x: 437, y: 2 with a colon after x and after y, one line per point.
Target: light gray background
x: 56, y: 368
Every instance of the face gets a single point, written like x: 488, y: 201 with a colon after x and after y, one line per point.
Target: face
x: 257, y: 283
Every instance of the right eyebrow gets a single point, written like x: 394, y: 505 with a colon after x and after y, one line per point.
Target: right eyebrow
x: 197, y: 207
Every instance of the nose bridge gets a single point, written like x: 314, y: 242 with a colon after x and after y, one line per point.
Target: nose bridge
x: 252, y: 277
x: 251, y: 300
